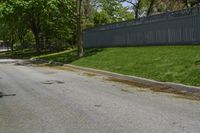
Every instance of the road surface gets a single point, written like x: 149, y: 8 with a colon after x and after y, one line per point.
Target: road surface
x: 64, y: 101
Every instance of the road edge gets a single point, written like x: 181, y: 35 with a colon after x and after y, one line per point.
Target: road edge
x: 147, y: 82
x: 193, y: 90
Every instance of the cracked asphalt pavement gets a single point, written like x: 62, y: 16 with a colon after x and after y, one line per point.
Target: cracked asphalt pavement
x: 46, y: 100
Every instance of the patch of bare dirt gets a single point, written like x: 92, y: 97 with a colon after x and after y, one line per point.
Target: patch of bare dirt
x: 89, y: 74
x: 156, y: 88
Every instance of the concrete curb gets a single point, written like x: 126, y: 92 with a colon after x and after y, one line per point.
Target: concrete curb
x: 142, y: 81
x: 146, y: 82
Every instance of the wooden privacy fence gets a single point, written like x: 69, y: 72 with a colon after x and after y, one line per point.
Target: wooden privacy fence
x: 171, y: 28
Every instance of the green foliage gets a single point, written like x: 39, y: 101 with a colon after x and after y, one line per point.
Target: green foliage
x: 51, y: 24
x: 50, y: 21
x: 101, y: 18
x: 115, y: 10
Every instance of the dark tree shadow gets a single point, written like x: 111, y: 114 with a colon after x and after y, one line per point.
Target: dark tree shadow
x: 22, y: 54
x: 69, y: 57
x: 72, y: 56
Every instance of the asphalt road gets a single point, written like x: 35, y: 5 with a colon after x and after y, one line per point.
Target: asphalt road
x: 63, y: 101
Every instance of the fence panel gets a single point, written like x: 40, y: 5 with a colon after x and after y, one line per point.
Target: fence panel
x: 180, y: 27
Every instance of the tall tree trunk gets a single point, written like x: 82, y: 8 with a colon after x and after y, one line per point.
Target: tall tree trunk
x: 137, y: 8
x: 150, y: 8
x: 37, y: 42
x: 12, y: 46
x: 41, y: 42
x: 12, y: 41
x: 79, y: 29
x: 45, y: 42
x: 35, y: 27
x: 21, y: 40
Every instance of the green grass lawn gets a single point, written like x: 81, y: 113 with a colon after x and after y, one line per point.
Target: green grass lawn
x: 180, y: 64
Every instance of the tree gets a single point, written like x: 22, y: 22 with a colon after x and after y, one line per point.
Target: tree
x: 191, y: 3
x: 79, y: 28
x: 101, y: 18
x: 136, y: 6
x: 150, y: 6
x: 9, y: 21
x: 50, y: 21
x: 55, y: 24
x: 115, y: 10
x: 169, y: 5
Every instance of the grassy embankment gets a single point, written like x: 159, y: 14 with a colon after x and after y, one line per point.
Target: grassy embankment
x: 180, y: 64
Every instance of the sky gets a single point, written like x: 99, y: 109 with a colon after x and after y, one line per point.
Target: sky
x: 126, y: 4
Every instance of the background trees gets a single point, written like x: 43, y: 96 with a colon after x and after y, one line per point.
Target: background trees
x: 50, y: 22
x: 57, y: 24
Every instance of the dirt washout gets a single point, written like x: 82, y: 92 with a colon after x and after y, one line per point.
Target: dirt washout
x: 157, y: 88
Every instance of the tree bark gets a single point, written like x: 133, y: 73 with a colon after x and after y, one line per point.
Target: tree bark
x: 150, y: 8
x: 21, y: 35
x: 137, y: 8
x: 12, y: 46
x: 79, y: 29
x: 37, y: 42
x: 12, y: 41
x: 35, y: 27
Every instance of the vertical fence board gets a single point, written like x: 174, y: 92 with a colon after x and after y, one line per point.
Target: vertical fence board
x: 180, y: 27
